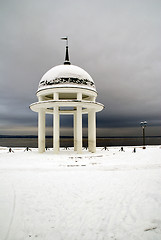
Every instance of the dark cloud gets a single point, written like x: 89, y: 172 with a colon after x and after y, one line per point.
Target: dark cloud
x: 116, y: 42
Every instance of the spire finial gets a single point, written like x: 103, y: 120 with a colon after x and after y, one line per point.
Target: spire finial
x: 66, y: 53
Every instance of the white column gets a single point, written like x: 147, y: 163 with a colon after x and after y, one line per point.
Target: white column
x: 92, y: 131
x: 41, y: 130
x: 56, y: 126
x: 79, y: 125
x: 79, y: 130
x: 75, y: 131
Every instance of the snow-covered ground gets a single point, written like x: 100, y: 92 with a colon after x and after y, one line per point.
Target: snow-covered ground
x: 107, y: 195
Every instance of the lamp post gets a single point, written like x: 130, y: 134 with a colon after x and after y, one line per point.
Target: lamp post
x: 143, y: 125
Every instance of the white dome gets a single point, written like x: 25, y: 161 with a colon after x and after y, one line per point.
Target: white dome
x: 66, y: 76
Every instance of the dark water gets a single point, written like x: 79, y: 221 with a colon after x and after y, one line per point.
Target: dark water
x: 68, y: 142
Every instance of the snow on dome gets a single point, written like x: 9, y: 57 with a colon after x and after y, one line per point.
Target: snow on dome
x: 66, y: 76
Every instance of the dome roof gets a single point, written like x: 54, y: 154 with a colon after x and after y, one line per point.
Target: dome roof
x: 66, y: 76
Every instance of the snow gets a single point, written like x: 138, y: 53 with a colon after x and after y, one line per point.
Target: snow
x: 106, y: 195
x: 66, y: 71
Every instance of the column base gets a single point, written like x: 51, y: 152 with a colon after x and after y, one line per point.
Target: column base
x: 56, y: 151
x: 79, y: 149
x: 92, y: 146
x: 75, y: 145
x: 56, y: 147
x: 41, y: 150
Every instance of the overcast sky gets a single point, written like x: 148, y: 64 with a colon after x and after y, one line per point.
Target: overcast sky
x: 118, y: 42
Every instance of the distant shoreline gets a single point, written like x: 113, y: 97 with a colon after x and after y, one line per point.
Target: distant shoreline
x: 68, y: 141
x: 35, y: 136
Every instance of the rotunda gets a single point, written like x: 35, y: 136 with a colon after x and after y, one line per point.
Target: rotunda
x: 67, y: 89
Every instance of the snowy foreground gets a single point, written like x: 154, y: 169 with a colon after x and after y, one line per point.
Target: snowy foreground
x: 107, y: 195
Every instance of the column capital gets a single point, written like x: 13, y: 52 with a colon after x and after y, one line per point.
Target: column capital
x: 56, y: 96
x: 79, y: 96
